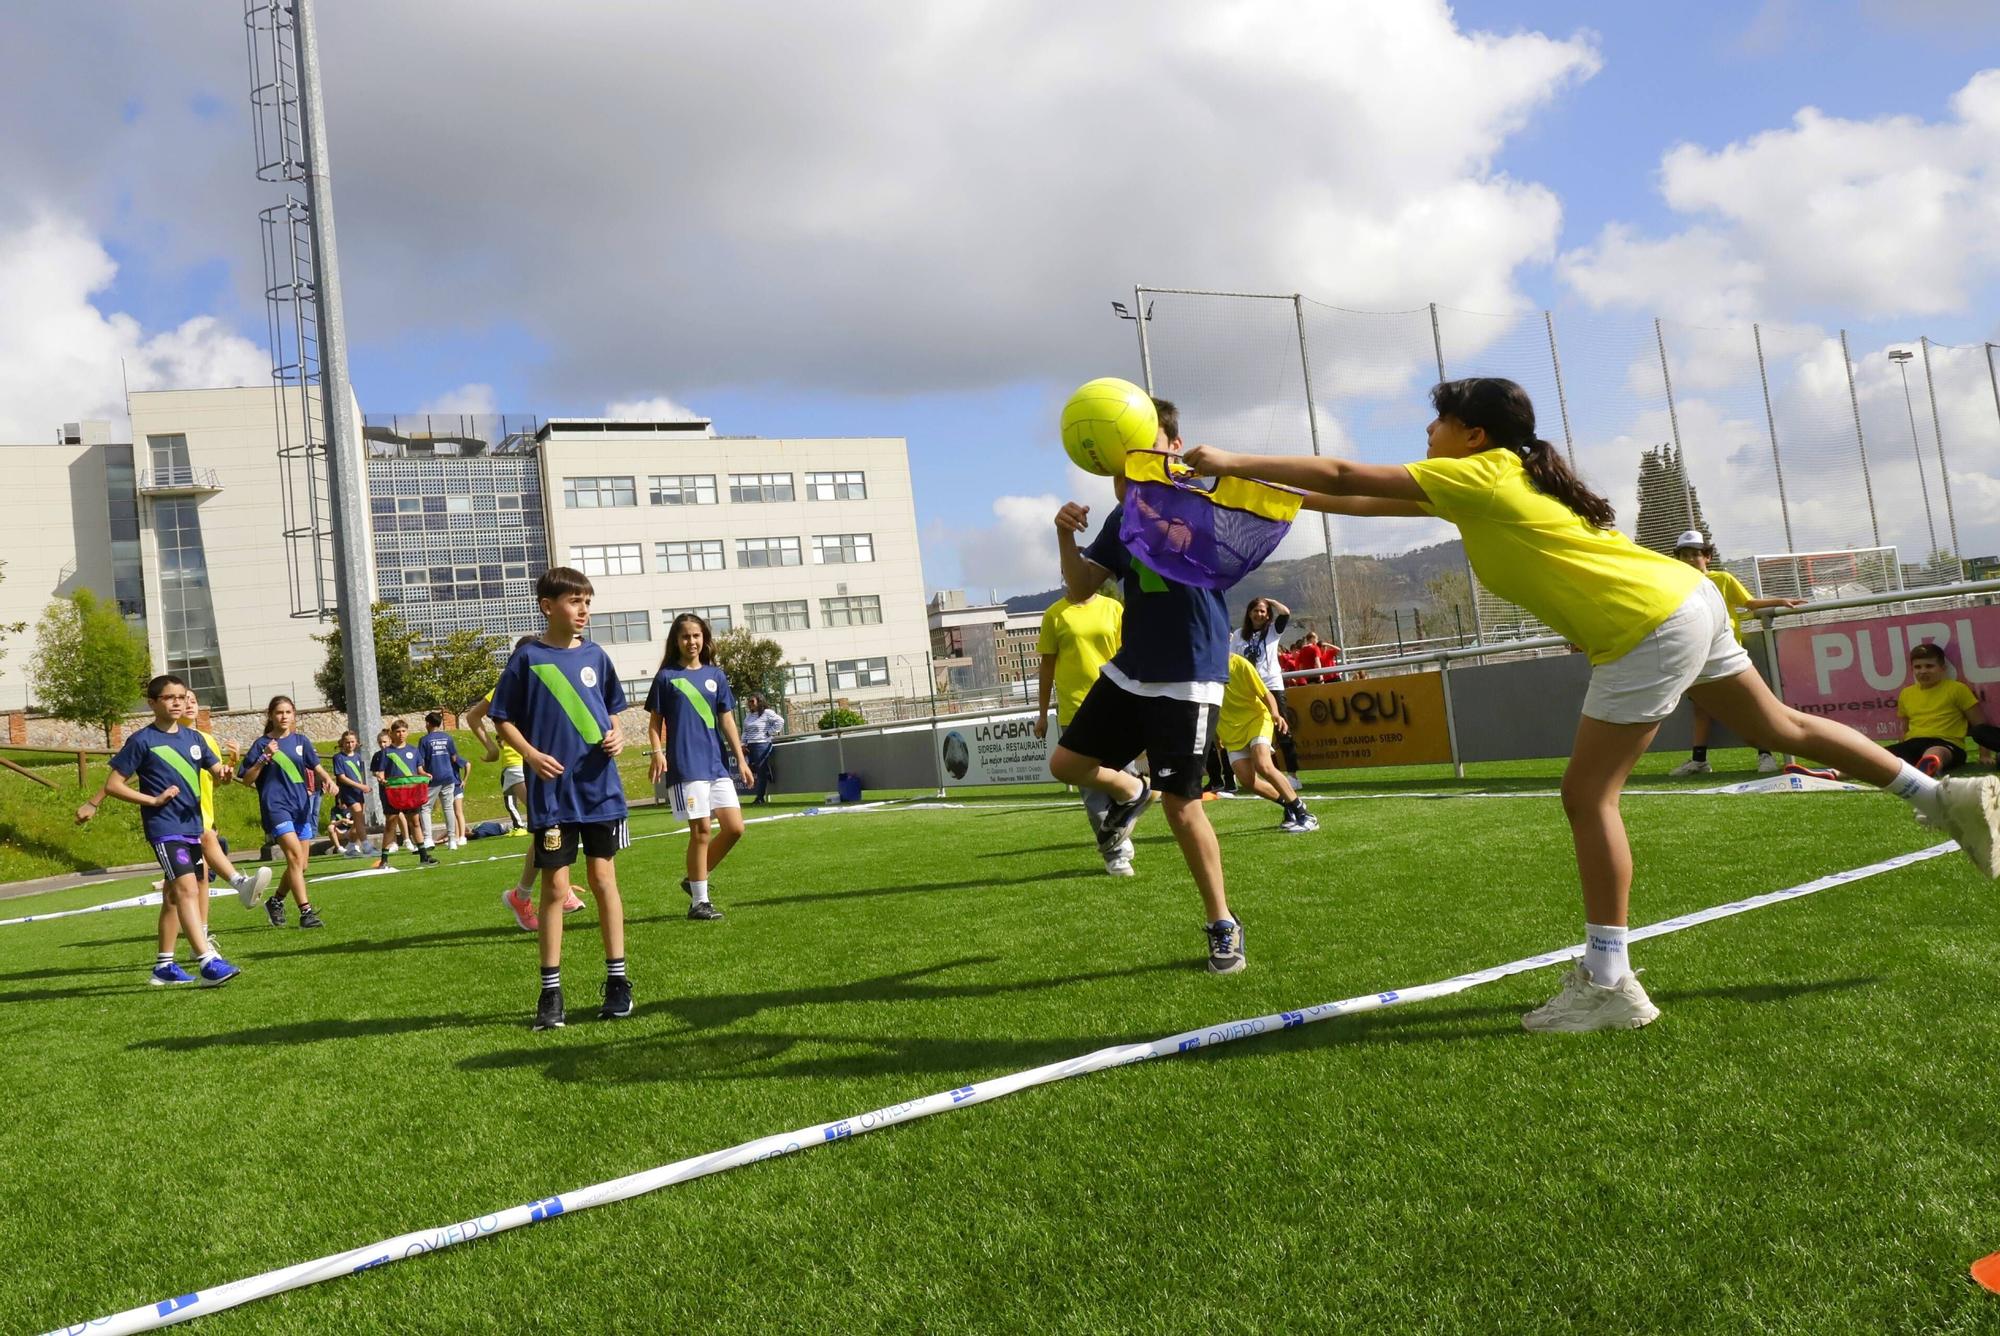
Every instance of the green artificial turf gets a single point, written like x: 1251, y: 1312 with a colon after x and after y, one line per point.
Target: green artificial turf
x: 1803, y: 1143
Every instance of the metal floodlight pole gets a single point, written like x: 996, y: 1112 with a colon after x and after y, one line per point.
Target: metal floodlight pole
x: 1562, y: 396
x: 1312, y: 425
x: 1674, y: 422
x: 1771, y: 421
x: 346, y: 481
x: 1944, y: 471
x: 1901, y: 357
x: 1861, y: 441
x: 1471, y: 576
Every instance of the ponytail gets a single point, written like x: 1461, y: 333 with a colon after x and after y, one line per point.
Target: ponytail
x: 1502, y: 409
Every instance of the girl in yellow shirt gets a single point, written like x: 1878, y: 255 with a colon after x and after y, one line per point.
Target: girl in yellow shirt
x: 1538, y: 537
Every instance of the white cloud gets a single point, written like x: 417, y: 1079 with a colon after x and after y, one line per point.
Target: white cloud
x: 474, y: 398
x: 61, y: 355
x: 1888, y: 217
x: 659, y: 408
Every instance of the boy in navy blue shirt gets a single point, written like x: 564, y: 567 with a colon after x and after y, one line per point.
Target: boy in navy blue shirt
x: 557, y: 703
x: 395, y: 766
x: 446, y: 767
x: 690, y: 714
x: 1157, y: 695
x: 166, y: 761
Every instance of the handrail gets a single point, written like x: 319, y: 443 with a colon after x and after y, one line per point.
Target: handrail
x: 1917, y: 595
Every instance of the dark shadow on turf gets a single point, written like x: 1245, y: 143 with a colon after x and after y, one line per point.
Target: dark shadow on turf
x: 310, y: 1032
x: 68, y: 972
x: 976, y: 884
x: 139, y: 985
x: 352, y: 945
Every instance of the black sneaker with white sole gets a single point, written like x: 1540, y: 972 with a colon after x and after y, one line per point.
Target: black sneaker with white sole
x: 274, y: 910
x: 703, y: 912
x: 617, y: 999
x: 1120, y: 818
x: 1225, y: 947
x: 309, y: 918
x: 549, y: 1010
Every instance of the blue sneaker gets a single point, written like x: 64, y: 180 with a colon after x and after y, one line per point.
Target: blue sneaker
x: 169, y: 974
x: 217, y: 972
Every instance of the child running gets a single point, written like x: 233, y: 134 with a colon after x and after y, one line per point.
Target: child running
x: 557, y: 703
x: 1249, y: 715
x: 1654, y: 629
x: 400, y: 766
x: 690, y: 714
x: 166, y: 761
x: 279, y: 763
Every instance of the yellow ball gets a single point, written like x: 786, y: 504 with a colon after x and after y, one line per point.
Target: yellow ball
x: 1104, y: 419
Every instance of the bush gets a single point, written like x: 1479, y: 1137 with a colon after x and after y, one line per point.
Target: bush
x: 841, y: 717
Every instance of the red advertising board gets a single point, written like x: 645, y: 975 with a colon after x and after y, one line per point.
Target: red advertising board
x: 1851, y: 671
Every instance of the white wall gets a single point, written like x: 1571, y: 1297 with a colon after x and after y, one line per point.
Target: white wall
x: 56, y: 539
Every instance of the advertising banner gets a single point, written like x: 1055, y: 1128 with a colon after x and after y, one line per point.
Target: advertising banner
x: 1377, y: 721
x: 1851, y: 671
x: 1001, y: 750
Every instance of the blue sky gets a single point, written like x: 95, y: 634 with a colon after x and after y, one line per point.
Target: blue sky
x: 792, y: 252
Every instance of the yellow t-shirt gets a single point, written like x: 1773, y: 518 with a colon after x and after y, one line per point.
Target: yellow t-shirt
x: 1082, y: 637
x: 1734, y: 597
x: 508, y: 756
x: 208, y: 784
x: 1243, y: 718
x: 1595, y: 587
x: 1935, y: 712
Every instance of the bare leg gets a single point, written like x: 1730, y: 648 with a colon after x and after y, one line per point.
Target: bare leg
x: 1085, y: 772
x: 218, y: 862
x: 555, y: 890
x: 697, y: 850
x: 185, y: 893
x: 729, y: 822
x: 603, y: 875
x: 1249, y: 777
x: 1600, y: 761
x: 1189, y: 822
x: 1273, y: 777
x: 1745, y: 703
x: 296, y: 858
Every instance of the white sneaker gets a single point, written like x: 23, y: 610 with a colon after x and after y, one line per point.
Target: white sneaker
x: 1118, y: 867
x: 1582, y: 1006
x: 250, y: 889
x: 1124, y: 853
x: 395, y: 846
x: 1691, y: 767
x: 1972, y: 817
x: 1767, y: 764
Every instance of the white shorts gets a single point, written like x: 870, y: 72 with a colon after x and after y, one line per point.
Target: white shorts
x: 698, y: 798
x: 1262, y: 740
x: 1693, y: 646
x: 512, y: 775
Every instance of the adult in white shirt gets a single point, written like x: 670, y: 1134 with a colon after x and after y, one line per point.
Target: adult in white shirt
x: 761, y: 727
x: 1257, y: 640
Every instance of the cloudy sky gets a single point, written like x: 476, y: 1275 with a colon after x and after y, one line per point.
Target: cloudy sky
x: 911, y: 219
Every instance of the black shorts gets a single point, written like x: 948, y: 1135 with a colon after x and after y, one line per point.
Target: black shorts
x: 180, y: 856
x: 1912, y: 750
x: 556, y: 846
x: 1114, y: 725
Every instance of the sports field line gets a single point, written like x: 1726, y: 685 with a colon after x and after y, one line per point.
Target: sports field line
x: 200, y: 1303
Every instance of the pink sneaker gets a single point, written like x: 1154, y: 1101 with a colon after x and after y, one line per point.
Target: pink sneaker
x: 522, y: 908
x: 571, y: 905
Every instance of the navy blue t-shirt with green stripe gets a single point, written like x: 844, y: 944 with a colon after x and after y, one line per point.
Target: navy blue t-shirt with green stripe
x: 157, y: 761
x: 692, y: 701
x: 282, y: 786
x: 404, y: 762
x: 346, y: 766
x: 564, y: 701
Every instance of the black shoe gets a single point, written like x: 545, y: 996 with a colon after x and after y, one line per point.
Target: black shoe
x: 549, y: 1010
x: 703, y: 911
x: 617, y: 999
x: 425, y: 857
x: 309, y: 918
x: 688, y: 886
x: 274, y: 909
x: 1120, y: 818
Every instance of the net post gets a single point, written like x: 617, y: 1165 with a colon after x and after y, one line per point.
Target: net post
x: 1312, y: 425
x: 1861, y: 441
x: 1771, y: 422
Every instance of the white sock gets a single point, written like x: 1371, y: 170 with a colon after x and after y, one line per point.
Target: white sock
x: 208, y: 955
x: 1604, y: 954
x: 700, y: 889
x: 1917, y: 789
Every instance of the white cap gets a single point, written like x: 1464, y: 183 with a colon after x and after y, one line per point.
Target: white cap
x: 1692, y: 538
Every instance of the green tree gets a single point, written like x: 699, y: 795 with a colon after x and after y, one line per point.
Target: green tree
x: 395, y: 667
x: 1449, y: 597
x: 456, y: 671
x: 1669, y: 504
x: 753, y: 665
x: 8, y: 628
x: 841, y: 716
x: 90, y: 665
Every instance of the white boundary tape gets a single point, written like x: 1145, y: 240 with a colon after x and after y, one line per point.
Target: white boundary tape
x: 183, y: 1308
x: 150, y: 900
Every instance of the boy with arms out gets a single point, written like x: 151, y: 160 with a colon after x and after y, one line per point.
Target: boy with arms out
x: 1157, y: 695
x: 557, y: 703
x: 165, y: 761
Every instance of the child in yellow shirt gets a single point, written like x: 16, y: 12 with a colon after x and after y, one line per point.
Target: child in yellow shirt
x: 1938, y: 711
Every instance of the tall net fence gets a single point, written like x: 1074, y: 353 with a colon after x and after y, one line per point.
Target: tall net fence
x: 1817, y: 467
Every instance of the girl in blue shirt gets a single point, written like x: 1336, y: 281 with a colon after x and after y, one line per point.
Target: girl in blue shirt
x: 350, y: 792
x: 690, y: 713
x: 280, y: 763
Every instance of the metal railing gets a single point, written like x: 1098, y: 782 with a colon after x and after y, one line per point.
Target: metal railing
x: 179, y: 480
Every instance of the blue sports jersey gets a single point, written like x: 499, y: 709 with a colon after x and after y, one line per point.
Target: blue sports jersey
x: 692, y: 701
x: 1173, y: 632
x: 348, y: 767
x: 565, y: 701
x: 284, y: 787
x: 404, y: 762
x: 441, y: 758
x: 159, y: 760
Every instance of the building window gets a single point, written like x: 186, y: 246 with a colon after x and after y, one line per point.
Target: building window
x: 836, y: 486
x: 851, y: 674
x: 636, y: 688
x: 620, y: 628
x: 686, y: 489
x: 856, y: 610
x: 598, y: 493
x: 611, y: 559
x: 786, y: 615
x: 701, y: 554
x: 715, y: 614
x: 187, y: 613
x: 833, y: 549
x: 760, y: 487
x: 800, y: 679
x: 752, y: 553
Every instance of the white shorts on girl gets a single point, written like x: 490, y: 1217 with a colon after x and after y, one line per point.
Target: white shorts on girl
x: 1693, y: 646
x: 1261, y: 740
x: 696, y: 799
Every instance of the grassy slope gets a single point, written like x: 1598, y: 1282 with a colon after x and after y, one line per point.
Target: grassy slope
x: 1803, y: 1144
